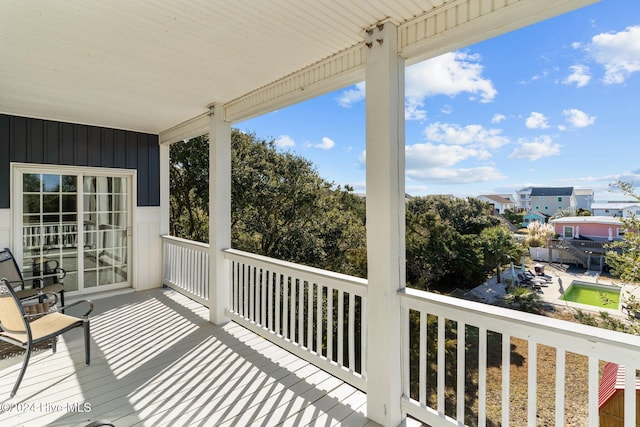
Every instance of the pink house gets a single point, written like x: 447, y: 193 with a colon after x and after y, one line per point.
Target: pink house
x: 598, y: 228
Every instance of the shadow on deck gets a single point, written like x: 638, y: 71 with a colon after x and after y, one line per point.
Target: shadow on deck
x: 156, y: 360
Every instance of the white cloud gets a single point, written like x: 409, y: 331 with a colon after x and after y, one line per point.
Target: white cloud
x: 580, y: 76
x: 538, y: 148
x: 413, y: 110
x: 473, y: 135
x: 456, y: 176
x: 578, y: 119
x: 352, y: 96
x: 536, y: 121
x: 326, y: 144
x: 619, y: 53
x: 284, y: 141
x: 450, y: 74
x: 420, y: 156
x: 497, y: 118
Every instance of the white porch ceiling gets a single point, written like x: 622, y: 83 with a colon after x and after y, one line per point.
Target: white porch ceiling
x: 151, y: 65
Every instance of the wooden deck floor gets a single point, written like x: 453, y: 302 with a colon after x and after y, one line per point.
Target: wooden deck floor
x: 156, y: 360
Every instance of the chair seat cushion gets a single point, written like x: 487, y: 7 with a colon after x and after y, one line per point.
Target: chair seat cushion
x: 44, y: 326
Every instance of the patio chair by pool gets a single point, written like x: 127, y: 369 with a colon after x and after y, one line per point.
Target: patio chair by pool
x: 16, y: 329
x: 10, y: 271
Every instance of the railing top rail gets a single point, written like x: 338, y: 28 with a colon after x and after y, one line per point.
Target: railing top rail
x: 606, y: 344
x: 184, y: 242
x: 303, y: 269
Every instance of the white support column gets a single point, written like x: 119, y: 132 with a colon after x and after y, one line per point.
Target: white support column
x: 165, y: 189
x: 219, y: 213
x: 385, y: 222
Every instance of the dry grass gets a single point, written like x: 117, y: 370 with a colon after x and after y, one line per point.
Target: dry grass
x: 576, y: 385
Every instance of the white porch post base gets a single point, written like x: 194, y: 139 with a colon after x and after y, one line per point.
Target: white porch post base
x: 219, y: 213
x: 385, y: 223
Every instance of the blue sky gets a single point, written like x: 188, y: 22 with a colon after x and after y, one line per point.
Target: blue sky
x: 553, y: 104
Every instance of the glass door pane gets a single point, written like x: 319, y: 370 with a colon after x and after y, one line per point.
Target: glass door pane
x: 105, y: 230
x: 50, y: 226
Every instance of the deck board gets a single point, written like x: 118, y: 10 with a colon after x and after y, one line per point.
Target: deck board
x: 156, y: 360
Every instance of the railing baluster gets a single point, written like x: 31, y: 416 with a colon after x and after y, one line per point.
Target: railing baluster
x: 263, y: 297
x: 300, y: 339
x: 270, y: 296
x: 245, y: 289
x: 250, y: 281
x: 506, y: 378
x: 460, y: 374
x: 363, y: 337
x: 351, y: 332
x: 292, y: 311
x: 319, y: 320
x: 340, y: 328
x: 560, y: 373
x: 630, y: 398
x: 532, y: 386
x: 330, y: 324
x: 441, y: 364
x: 404, y: 351
x: 278, y: 309
x: 422, y: 356
x: 285, y: 306
x: 594, y: 418
x: 482, y: 377
x: 310, y: 316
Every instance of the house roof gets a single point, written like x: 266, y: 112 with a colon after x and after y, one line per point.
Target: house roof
x: 583, y: 192
x: 611, y: 220
x: 151, y: 66
x: 497, y: 199
x: 614, y: 206
x: 611, y: 382
x: 551, y: 191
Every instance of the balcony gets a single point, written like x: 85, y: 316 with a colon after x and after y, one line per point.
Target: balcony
x: 158, y: 361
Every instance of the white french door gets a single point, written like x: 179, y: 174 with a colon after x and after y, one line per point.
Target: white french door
x: 77, y: 218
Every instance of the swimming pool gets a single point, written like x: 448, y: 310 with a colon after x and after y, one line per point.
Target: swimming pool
x: 603, y: 296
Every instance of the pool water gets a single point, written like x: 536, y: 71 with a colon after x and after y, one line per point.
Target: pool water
x: 592, y: 294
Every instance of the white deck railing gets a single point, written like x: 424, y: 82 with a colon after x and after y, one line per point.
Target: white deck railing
x: 321, y: 317
x: 316, y: 314
x: 186, y: 267
x: 454, y: 323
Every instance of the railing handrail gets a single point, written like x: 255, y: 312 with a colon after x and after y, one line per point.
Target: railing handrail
x: 575, y: 337
x: 353, y: 284
x: 185, y: 243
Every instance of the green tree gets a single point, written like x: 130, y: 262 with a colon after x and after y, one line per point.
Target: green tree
x: 624, y: 256
x: 280, y: 206
x: 500, y: 248
x: 189, y: 189
x: 443, y: 246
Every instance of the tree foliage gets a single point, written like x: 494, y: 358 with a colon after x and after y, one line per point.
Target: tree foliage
x: 623, y: 256
x: 282, y: 208
x: 444, y: 248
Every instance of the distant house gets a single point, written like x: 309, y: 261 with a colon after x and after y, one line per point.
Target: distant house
x: 597, y: 228
x: 533, y: 216
x: 499, y: 203
x: 549, y: 200
x: 523, y: 199
x: 584, y: 198
x: 619, y: 209
x: 611, y: 396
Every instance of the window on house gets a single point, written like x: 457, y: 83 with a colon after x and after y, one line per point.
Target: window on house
x: 541, y: 197
x: 567, y: 232
x: 546, y: 208
x: 537, y: 208
x: 559, y: 199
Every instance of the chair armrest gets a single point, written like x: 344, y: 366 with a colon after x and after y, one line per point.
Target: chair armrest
x: 89, y: 302
x: 59, y: 273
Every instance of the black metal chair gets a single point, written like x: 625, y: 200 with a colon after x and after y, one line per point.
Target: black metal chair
x: 16, y: 329
x: 10, y: 271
